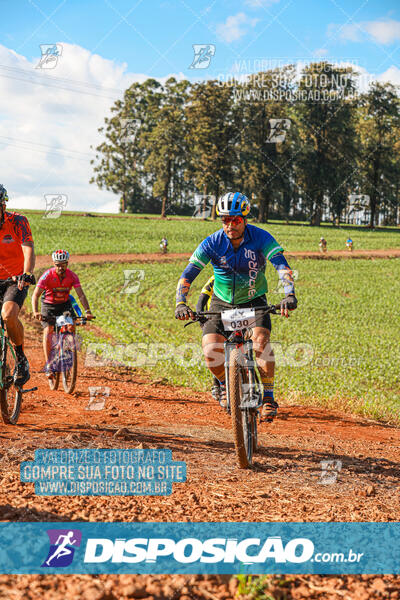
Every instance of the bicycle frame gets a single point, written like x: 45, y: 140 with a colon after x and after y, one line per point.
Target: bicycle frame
x: 5, y: 346
x: 237, y: 339
x: 10, y: 411
x: 253, y: 396
x: 243, y: 384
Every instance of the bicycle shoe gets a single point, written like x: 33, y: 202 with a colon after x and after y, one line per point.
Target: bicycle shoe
x: 21, y: 373
x: 269, y: 410
x: 215, y: 390
x: 222, y: 395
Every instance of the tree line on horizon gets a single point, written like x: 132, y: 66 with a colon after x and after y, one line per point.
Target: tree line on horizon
x: 298, y: 147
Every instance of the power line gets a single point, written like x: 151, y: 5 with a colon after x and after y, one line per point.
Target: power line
x: 47, y: 146
x: 56, y: 151
x: 48, y: 83
x: 40, y: 73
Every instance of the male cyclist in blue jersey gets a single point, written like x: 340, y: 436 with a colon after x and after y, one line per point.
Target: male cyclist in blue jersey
x: 238, y: 254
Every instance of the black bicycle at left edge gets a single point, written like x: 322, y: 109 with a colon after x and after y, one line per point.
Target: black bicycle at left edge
x: 10, y: 394
x: 244, y: 391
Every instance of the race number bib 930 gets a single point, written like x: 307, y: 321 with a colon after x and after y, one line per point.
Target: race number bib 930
x: 238, y: 318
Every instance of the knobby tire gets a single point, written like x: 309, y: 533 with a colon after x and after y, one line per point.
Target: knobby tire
x: 54, y: 381
x: 10, y: 397
x: 235, y: 396
x: 69, y: 377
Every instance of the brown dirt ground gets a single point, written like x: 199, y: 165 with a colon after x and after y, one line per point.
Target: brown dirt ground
x: 44, y: 260
x: 284, y: 484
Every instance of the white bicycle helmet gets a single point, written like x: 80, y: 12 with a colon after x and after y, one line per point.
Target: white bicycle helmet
x: 233, y: 204
x: 60, y: 256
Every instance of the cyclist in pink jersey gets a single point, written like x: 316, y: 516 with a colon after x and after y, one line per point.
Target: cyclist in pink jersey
x: 56, y: 284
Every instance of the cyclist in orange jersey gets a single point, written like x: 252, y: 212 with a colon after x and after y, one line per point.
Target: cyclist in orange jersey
x: 17, y: 261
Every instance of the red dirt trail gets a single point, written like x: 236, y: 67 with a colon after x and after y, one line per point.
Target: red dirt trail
x: 284, y: 485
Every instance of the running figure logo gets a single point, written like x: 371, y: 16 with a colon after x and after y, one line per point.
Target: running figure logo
x: 63, y: 543
x: 278, y: 130
x: 203, y: 54
x: 50, y: 55
x: 55, y: 204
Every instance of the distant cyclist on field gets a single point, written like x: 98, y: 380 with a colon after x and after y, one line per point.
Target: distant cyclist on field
x: 56, y: 283
x: 164, y: 245
x: 349, y: 244
x: 238, y: 254
x: 17, y: 261
x: 323, y: 244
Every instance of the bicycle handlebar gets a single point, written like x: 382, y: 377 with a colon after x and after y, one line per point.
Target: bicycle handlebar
x: 31, y: 279
x: 78, y: 320
x: 269, y: 308
x: 206, y: 315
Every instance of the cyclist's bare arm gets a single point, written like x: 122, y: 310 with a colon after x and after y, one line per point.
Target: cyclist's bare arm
x: 35, y: 302
x: 28, y: 249
x: 84, y: 301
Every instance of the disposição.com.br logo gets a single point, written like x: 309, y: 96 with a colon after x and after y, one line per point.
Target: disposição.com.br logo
x: 63, y: 543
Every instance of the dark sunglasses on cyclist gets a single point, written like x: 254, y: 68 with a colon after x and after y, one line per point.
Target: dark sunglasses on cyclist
x: 233, y: 220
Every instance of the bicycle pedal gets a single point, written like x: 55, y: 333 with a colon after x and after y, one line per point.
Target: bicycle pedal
x: 34, y: 389
x: 251, y: 403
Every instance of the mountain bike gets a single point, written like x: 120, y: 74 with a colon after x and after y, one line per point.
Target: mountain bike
x: 64, y: 356
x: 244, y: 391
x: 10, y: 394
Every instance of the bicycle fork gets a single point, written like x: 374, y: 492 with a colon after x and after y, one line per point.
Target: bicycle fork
x: 252, y: 394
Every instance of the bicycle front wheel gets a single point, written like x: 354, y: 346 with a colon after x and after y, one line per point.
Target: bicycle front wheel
x: 241, y: 419
x: 253, y: 414
x: 70, y: 358
x: 54, y: 381
x: 10, y: 396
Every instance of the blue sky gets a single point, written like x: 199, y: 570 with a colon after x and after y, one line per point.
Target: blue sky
x: 110, y: 43
x: 156, y: 37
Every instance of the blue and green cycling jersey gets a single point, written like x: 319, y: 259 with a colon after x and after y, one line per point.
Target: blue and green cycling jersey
x: 239, y: 275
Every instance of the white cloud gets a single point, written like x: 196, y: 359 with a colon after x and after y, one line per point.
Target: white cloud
x: 382, y: 32
x: 392, y: 75
x: 49, y: 120
x: 260, y: 3
x: 235, y: 27
x: 352, y: 32
x: 365, y: 78
x: 320, y: 52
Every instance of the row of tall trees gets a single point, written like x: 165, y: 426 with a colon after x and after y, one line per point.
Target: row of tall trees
x: 296, y: 145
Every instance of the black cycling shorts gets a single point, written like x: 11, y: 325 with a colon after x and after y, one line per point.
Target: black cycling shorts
x: 55, y: 310
x: 214, y: 325
x: 9, y: 292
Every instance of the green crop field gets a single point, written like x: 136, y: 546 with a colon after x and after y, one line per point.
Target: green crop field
x: 339, y: 349
x: 82, y: 234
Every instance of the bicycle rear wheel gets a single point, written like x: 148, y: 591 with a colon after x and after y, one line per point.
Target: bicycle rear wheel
x: 69, y: 354
x: 10, y: 396
x: 241, y: 419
